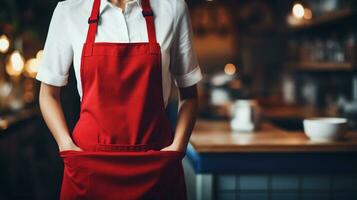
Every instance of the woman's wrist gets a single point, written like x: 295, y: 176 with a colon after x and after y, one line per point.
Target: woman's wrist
x: 65, y: 142
x: 179, y: 146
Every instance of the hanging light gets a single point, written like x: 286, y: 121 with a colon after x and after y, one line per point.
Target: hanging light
x: 31, y: 67
x: 4, y: 43
x: 15, y: 64
x: 307, y: 14
x: 230, y: 69
x: 32, y: 64
x: 298, y: 10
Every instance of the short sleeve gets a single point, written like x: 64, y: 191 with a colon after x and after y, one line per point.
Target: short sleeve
x: 57, y: 53
x: 184, y: 65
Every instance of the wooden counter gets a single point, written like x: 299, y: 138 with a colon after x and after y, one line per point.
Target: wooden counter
x: 218, y: 158
x: 211, y: 136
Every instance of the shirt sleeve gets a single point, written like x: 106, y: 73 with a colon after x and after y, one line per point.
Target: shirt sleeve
x: 57, y: 53
x: 184, y: 65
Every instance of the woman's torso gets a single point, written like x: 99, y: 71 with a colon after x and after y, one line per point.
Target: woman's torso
x: 124, y: 27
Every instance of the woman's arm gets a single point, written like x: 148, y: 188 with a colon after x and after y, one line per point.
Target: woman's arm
x: 186, y: 72
x: 187, y: 114
x: 52, y: 112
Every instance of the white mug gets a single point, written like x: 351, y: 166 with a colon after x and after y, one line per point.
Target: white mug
x: 246, y: 115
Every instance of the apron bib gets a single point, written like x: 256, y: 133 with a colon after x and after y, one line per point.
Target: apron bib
x: 122, y: 124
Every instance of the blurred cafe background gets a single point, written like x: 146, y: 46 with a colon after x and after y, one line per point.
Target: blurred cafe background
x: 278, y: 102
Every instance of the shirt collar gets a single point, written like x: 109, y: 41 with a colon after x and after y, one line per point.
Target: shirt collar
x: 105, y: 3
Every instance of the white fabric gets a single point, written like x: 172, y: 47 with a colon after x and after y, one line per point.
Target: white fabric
x: 68, y: 29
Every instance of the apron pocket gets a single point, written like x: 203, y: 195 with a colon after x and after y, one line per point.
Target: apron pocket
x: 149, y: 174
x: 75, y: 179
x: 172, y: 153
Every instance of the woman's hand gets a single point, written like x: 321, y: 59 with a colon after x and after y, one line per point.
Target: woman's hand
x: 173, y: 147
x: 69, y: 146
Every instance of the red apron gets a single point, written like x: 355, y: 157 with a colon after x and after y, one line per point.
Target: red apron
x: 122, y: 124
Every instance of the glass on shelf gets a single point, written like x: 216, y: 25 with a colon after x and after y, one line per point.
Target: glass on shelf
x: 350, y: 47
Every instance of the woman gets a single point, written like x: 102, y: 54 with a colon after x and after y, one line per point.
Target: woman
x: 124, y: 53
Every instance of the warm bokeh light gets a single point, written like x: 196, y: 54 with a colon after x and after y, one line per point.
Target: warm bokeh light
x: 293, y: 21
x: 4, y: 124
x: 230, y: 69
x: 31, y: 67
x: 39, y: 54
x: 28, y: 93
x: 15, y: 64
x: 298, y: 10
x: 4, y: 43
x: 28, y: 96
x: 308, y: 14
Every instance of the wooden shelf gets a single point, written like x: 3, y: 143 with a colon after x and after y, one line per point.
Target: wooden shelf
x: 329, y: 17
x: 321, y: 66
x: 291, y: 112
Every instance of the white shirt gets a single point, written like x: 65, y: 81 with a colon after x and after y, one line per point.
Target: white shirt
x: 68, y: 30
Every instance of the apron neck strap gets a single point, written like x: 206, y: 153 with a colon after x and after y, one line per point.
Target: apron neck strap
x: 93, y: 22
x: 149, y: 18
x: 146, y: 11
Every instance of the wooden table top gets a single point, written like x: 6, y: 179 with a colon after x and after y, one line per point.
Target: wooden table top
x: 211, y: 136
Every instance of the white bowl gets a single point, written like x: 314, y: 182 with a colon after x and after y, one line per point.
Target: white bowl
x: 325, y: 128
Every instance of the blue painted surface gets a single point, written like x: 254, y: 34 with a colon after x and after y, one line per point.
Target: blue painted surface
x: 227, y: 196
x: 343, y: 182
x: 316, y: 182
x: 272, y: 162
x: 345, y: 195
x: 314, y: 195
x: 285, y: 196
x: 226, y: 182
x: 253, y: 182
x: 271, y: 186
x: 285, y: 182
x: 253, y: 196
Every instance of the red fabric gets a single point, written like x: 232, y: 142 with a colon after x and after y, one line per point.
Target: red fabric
x: 122, y: 124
